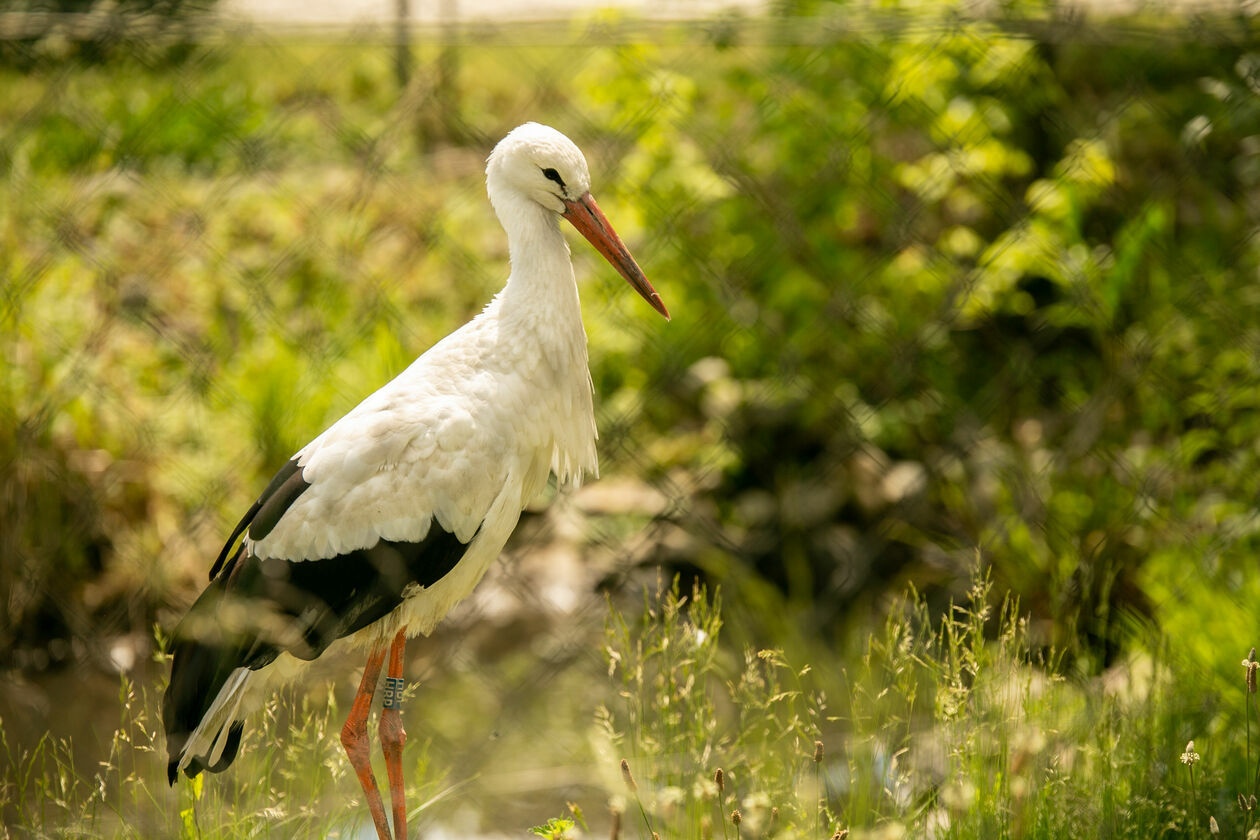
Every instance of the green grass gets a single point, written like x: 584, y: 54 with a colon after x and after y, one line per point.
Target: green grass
x: 304, y: 788
x: 956, y: 727
x: 949, y: 727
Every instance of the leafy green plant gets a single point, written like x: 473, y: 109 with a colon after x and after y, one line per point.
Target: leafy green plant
x: 556, y: 828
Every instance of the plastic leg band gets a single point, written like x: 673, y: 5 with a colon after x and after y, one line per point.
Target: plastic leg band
x: 393, y: 694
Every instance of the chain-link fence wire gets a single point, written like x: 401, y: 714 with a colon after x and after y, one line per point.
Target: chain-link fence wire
x: 942, y: 285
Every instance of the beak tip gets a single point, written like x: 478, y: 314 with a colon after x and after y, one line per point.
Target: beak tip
x: 659, y: 306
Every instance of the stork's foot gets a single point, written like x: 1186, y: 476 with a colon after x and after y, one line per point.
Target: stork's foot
x: 354, y: 737
x: 392, y: 734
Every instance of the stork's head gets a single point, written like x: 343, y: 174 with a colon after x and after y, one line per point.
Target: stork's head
x: 540, y: 165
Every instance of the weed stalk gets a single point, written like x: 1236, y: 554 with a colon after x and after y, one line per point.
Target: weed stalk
x: 1249, y: 682
x: 633, y: 787
x: 1190, y: 758
x: 719, y: 778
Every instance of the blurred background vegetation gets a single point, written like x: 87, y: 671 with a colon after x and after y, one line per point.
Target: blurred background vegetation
x: 947, y: 284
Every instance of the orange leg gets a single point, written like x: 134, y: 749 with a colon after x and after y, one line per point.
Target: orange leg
x: 392, y: 735
x: 355, y: 739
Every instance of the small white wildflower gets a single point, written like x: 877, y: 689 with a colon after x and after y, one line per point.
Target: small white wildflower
x: 1189, y: 757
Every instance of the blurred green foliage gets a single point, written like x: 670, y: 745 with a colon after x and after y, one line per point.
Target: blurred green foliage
x: 938, y: 284
x: 957, y: 286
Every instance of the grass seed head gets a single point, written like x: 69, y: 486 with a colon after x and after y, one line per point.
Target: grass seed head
x: 1213, y: 827
x: 818, y: 751
x: 736, y: 817
x: 615, y: 833
x: 1250, y: 665
x: 628, y: 776
x: 841, y: 834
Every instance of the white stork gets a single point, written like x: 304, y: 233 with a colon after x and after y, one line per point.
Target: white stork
x: 377, y: 527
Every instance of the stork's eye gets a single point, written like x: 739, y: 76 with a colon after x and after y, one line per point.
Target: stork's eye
x: 552, y: 175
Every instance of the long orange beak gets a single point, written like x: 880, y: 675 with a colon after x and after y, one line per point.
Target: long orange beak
x: 586, y: 216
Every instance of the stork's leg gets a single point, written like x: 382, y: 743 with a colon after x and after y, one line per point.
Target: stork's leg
x: 354, y: 738
x: 392, y: 735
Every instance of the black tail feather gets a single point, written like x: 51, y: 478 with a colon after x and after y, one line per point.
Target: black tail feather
x: 204, y: 655
x: 196, y: 765
x: 198, y: 673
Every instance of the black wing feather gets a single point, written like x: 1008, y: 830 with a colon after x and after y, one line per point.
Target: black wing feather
x: 258, y: 608
x: 282, y: 479
x: 276, y: 504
